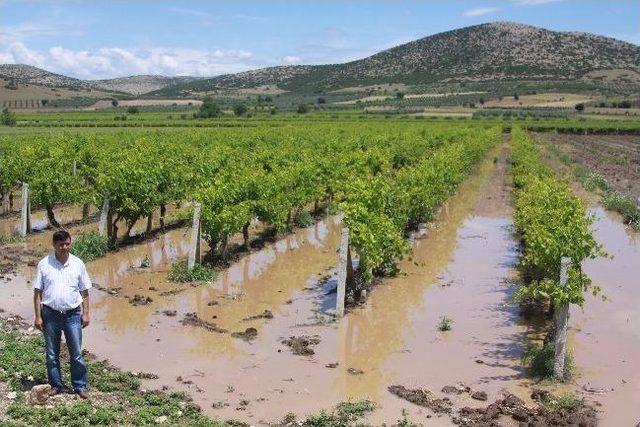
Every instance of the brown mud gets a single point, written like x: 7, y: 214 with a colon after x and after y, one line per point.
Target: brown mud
x: 461, y: 267
x: 616, y: 157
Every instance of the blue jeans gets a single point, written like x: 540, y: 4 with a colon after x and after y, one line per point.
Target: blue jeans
x: 71, y: 324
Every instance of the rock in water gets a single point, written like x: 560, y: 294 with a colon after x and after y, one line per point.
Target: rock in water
x: 39, y: 394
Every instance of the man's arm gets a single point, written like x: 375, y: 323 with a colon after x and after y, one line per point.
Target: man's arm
x: 85, y: 308
x: 37, y: 300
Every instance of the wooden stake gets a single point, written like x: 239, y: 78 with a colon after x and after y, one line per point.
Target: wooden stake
x: 342, y: 271
x: 25, y: 223
x: 104, y: 214
x: 194, y: 246
x: 561, y: 323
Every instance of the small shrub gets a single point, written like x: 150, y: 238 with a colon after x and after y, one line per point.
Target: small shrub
x: 180, y: 273
x: 350, y: 411
x: 446, y: 324
x: 303, y: 219
x: 8, y: 118
x: 133, y: 110
x: 625, y: 206
x: 595, y: 181
x: 89, y: 246
x: 332, y: 208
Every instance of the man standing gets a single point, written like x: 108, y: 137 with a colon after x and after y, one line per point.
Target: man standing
x: 61, y: 304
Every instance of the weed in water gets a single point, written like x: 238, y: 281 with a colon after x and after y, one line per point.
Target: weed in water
x: 354, y: 410
x: 446, y: 324
x: 539, y: 361
x: 89, y: 246
x: 180, y: 273
x: 289, y: 418
x: 625, y: 206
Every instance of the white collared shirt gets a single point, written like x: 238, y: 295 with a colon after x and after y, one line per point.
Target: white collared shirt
x: 61, y: 284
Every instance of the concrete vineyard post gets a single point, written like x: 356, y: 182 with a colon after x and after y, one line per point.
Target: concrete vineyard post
x: 25, y: 223
x: 343, y: 267
x: 104, y: 214
x: 194, y: 246
x: 75, y: 168
x: 561, y: 322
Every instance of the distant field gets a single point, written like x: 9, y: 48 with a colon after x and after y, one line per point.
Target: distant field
x: 144, y: 102
x: 551, y: 99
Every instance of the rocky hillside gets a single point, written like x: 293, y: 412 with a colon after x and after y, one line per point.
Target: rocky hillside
x: 501, y: 50
x: 27, y: 74
x: 137, y: 85
x: 494, y: 51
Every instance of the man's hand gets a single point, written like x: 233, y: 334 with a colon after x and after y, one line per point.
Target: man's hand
x: 37, y: 323
x: 85, y: 320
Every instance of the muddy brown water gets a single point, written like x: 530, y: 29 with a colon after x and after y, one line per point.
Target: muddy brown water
x: 460, y: 268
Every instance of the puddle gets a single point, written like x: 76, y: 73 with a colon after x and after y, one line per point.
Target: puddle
x: 606, y: 335
x: 457, y: 269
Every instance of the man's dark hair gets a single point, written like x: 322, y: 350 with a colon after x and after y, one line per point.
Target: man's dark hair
x: 61, y: 236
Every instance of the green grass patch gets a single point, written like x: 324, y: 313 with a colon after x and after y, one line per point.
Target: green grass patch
x: 345, y: 414
x: 179, y: 273
x: 89, y: 246
x: 8, y: 238
x: 303, y: 219
x: 625, y: 206
x: 594, y: 181
x: 539, y: 362
x: 22, y: 365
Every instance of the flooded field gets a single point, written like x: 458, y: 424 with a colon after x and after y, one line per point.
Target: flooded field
x: 224, y: 342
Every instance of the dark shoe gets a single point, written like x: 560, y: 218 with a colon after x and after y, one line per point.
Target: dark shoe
x: 82, y: 394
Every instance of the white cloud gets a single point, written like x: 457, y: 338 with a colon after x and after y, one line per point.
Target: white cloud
x: 291, y: 59
x: 115, y: 61
x: 481, y: 11
x: 29, y: 30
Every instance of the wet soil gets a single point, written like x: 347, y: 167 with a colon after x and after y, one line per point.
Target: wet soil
x: 192, y: 319
x: 617, y: 157
x: 301, y: 345
x: 512, y: 407
x: 461, y: 267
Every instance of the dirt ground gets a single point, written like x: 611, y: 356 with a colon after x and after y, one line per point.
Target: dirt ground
x: 617, y: 157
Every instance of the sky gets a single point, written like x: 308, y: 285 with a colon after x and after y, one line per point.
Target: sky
x: 94, y: 39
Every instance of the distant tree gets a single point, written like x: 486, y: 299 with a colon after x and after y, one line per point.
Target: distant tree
x: 472, y: 105
x: 133, y: 109
x: 481, y: 101
x: 580, y: 107
x: 114, y: 102
x: 515, y: 96
x: 268, y: 98
x: 321, y: 100
x: 8, y: 118
x: 209, y: 109
x: 273, y: 111
x: 624, y: 104
x: 239, y: 109
x: 602, y: 105
x: 303, y: 109
x: 399, y: 95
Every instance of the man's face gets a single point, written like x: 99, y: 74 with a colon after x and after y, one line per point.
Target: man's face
x: 62, y: 248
